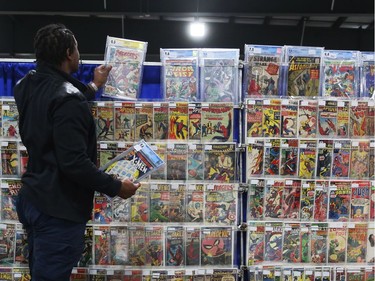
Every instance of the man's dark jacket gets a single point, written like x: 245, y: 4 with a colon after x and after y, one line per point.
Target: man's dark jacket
x: 58, y: 130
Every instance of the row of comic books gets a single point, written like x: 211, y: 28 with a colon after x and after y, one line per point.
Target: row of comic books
x: 316, y: 243
x: 310, y: 200
x: 309, y: 118
x: 311, y: 158
x: 130, y: 121
x: 158, y: 246
x: 311, y: 273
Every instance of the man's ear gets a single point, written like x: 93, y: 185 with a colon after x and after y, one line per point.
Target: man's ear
x: 68, y: 53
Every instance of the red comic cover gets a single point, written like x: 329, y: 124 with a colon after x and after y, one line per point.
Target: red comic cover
x: 102, y: 245
x: 255, y: 201
x: 337, y: 242
x: 358, y: 119
x: 195, y: 121
x: 357, y: 243
x: 23, y: 158
x: 271, y: 118
x: 144, y: 121
x: 124, y: 121
x: 255, y: 243
x: 307, y: 158
x: 254, y: 118
x: 339, y: 200
x: 291, y: 200
x: 289, y: 157
x: 327, y: 118
x: 307, y: 119
x: 289, y: 115
x: 318, y: 243
x: 254, y: 158
x: 321, y: 200
x: 220, y: 162
x: 359, y: 159
x: 217, y: 246
x: 79, y: 274
x: 105, y: 121
x: 271, y: 157
x: 341, y: 158
x: 102, y: 212
x: 178, y: 121
x: 192, y: 245
x: 161, y: 120
x: 307, y: 200
x: 217, y: 122
x: 360, y: 201
x: 140, y: 204
x: 273, y: 198
x: 273, y: 242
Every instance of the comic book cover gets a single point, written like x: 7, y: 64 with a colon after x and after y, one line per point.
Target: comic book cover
x: 355, y: 274
x: 255, y: 200
x: 6, y: 274
x: 219, y: 75
x: 367, y: 74
x: 318, y: 243
x: 307, y: 118
x: 144, y: 121
x: 220, y: 162
x: 195, y: 121
x: 324, y: 158
x: 340, y: 274
x: 10, y: 117
x: 177, y: 161
x: 273, y: 198
x: 97, y: 274
x: 174, y: 246
x: 360, y: 201
x: 291, y: 199
x: 305, y: 237
x: 105, y: 129
x: 21, y: 274
x: 370, y: 246
x: 9, y: 158
x: 271, y: 166
x: 114, y: 274
x: 154, y: 248
x: 176, y: 205
x: 358, y: 112
x: 195, y: 162
x: 121, y: 209
x: 341, y: 158
x: 342, y: 119
x: 292, y: 243
x: 372, y: 160
x: 102, y: 212
x: 217, y: 122
x: 79, y: 274
x: 289, y: 157
x: 359, y: 159
x: 271, y: 118
x: 318, y: 274
x: 21, y: 252
x: 137, y: 246
x: 124, y: 121
x: 372, y: 200
x: 159, y: 202
x: 178, y: 121
x: 339, y: 200
x: 255, y: 243
x: 287, y: 274
x: 217, y: 246
x: 327, y: 118
x: 309, y: 275
x: 106, y: 152
x: 255, y: 273
x: 278, y: 273
x: 254, y: 118
x: 176, y: 275
x: 273, y: 244
x: 298, y: 273
x: 87, y: 253
x: 371, y: 118
x: 119, y: 247
x: 132, y: 275
x: 268, y: 273
x: 194, y: 202
x: 102, y: 240
x: 369, y: 274
x: 224, y: 274
x: 220, y: 204
x: 192, y: 246
x: 321, y: 200
x: 23, y: 158
x: 140, y: 204
x: 356, y: 243
x: 337, y: 234
x: 307, y: 158
x: 254, y: 158
x: 161, y: 121
x: 289, y: 122
x: 9, y: 193
x: 307, y: 200
x: 160, y: 149
x: 126, y: 58
x: 146, y: 275
x: 326, y: 273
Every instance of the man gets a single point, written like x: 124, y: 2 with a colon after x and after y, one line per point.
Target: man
x: 58, y: 130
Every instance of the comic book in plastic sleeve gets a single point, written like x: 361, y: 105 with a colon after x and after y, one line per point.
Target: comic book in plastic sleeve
x: 289, y: 157
x: 154, y: 246
x: 121, y: 209
x: 372, y: 200
x: 144, y: 121
x: 124, y: 121
x: 339, y: 200
x: 262, y: 70
x: 6, y: 273
x: 255, y: 243
x: 106, y: 152
x: 195, y: 121
x: 321, y: 200
x: 119, y: 248
x: 367, y: 74
x: 254, y: 158
x: 176, y: 160
x: 9, y: 192
x: 146, y: 275
x: 309, y: 275
x: 359, y: 159
x: 369, y: 273
x: 113, y: 274
x: 161, y: 121
x: 132, y: 275
x: 180, y: 74
x: 159, y: 202
x: 318, y: 273
x: 342, y: 119
x: 10, y: 117
x: 217, y: 246
x: 102, y: 211
x: 341, y: 74
x: 192, y: 245
x: 371, y: 119
x: 194, y: 202
x: 9, y: 159
x: 105, y: 122
x: 97, y: 273
x: 256, y: 273
x: 140, y: 204
x: 79, y: 274
x: 178, y: 121
x: 273, y: 196
x: 327, y: 118
x: 101, y: 244
x: 358, y: 112
x: 126, y: 58
x: 195, y: 162
x: 161, y: 149
x: 337, y: 242
x: 355, y: 274
x: 307, y: 158
x: 324, y: 158
x: 176, y: 275
x: 271, y: 117
x: 217, y: 122
x: 287, y: 273
x: 273, y: 242
x: 360, y: 200
x: 305, y: 236
x: 341, y: 159
x: 370, y: 243
x: 356, y: 243
x: 135, y: 163
x: 176, y: 205
x: 23, y: 158
x: 87, y: 253
x: 291, y: 199
x: 289, y: 118
x: 268, y: 273
x: 271, y: 164
x: 221, y: 204
x: 318, y: 243
x: 220, y: 162
x: 253, y: 119
x: 307, y: 200
x: 307, y: 118
x: 21, y: 254
x: 229, y: 274
x: 219, y: 80
x: 339, y: 274
x: 174, y: 246
x: 304, y: 70
x: 292, y: 243
x: 137, y: 246
x: 255, y: 200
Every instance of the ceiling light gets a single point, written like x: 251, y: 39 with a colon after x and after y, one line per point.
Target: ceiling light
x: 197, y: 29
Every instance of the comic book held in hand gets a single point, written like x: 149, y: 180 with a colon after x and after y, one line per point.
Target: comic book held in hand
x: 135, y: 163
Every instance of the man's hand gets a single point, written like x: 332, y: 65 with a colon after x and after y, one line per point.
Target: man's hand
x: 128, y: 189
x: 101, y: 74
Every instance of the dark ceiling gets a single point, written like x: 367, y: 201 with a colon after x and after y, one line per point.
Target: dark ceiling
x: 333, y: 24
